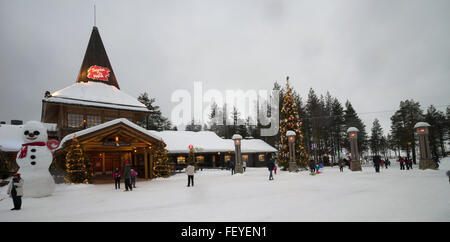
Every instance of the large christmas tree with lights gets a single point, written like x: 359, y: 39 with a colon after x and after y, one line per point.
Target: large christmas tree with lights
x: 161, y: 167
x: 290, y: 120
x: 77, y: 167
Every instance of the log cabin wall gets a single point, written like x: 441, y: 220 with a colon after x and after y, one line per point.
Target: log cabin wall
x: 59, y: 113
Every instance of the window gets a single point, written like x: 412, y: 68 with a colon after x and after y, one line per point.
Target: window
x: 181, y: 160
x: 74, y: 120
x: 106, y: 119
x: 200, y: 159
x: 227, y: 158
x: 261, y: 157
x: 93, y: 120
x: 244, y: 157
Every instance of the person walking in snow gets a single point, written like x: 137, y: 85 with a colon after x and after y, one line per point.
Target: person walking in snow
x: 244, y: 165
x: 127, y: 177
x: 275, y: 169
x: 190, y: 170
x: 133, y: 177
x: 312, y: 166
x: 410, y: 163
x: 270, y: 166
x: 341, y: 165
x: 117, y: 175
x: 376, y: 163
x: 15, y: 190
x: 387, y: 162
x: 402, y: 162
x: 436, y: 161
x: 232, y: 167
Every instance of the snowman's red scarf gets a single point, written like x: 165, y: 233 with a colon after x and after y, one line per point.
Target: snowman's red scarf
x: 24, y: 149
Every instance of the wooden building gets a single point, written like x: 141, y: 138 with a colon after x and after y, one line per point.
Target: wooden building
x: 95, y: 99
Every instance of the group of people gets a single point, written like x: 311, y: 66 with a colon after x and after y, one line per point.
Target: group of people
x: 378, y: 162
x: 129, y: 176
x: 405, y: 163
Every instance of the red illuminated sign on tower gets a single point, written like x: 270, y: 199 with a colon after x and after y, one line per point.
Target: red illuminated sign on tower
x: 98, y: 73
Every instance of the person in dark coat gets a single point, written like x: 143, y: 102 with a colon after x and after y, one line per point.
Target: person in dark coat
x: 270, y: 166
x: 410, y: 163
x: 312, y: 166
x: 341, y: 165
x: 117, y: 175
x: 448, y: 174
x: 15, y: 190
x: 232, y: 166
x: 376, y: 163
x: 127, y: 176
x: 436, y: 161
x: 402, y: 162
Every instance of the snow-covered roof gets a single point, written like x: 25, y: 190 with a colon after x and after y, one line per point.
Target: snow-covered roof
x: 253, y: 146
x: 105, y: 125
x: 352, y: 129
x: 50, y: 126
x: 96, y: 94
x: 290, y: 133
x: 421, y: 124
x: 203, y: 141
x: 10, y: 137
x: 207, y: 142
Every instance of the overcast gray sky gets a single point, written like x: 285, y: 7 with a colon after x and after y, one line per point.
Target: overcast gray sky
x: 373, y: 53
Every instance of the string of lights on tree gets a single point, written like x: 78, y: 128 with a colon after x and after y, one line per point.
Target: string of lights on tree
x: 290, y: 120
x: 77, y: 169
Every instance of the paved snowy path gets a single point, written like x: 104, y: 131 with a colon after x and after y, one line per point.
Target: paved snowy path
x: 391, y: 195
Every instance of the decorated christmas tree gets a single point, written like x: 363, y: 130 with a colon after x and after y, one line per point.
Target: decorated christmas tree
x: 161, y: 167
x: 191, y: 158
x: 77, y: 167
x: 290, y: 120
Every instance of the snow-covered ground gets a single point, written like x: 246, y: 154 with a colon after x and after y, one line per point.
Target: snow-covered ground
x: 391, y: 195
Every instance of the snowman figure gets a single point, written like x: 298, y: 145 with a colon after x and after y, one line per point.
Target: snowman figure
x: 34, y: 160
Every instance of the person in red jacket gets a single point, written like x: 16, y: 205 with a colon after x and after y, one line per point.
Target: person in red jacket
x: 275, y: 169
x: 402, y: 162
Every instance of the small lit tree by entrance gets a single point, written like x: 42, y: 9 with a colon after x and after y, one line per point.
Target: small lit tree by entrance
x: 161, y: 167
x: 77, y: 167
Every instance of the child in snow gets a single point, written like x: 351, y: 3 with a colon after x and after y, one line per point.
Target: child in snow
x: 275, y: 169
x: 133, y: 178
x: 15, y: 190
x: 190, y: 170
x: 117, y: 175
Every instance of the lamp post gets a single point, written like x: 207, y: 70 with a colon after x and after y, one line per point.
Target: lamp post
x: 355, y: 165
x: 237, y: 145
x: 426, y: 161
x: 291, y: 138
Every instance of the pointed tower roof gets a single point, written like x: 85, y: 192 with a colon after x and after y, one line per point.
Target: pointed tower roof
x: 96, y: 66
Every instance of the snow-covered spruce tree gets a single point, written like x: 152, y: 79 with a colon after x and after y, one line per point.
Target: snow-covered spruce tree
x: 76, y: 164
x: 161, y: 167
x: 290, y: 120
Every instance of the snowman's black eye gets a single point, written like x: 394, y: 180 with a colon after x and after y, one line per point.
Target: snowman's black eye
x: 26, y: 132
x: 36, y: 133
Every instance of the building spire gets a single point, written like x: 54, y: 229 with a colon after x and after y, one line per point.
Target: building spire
x: 96, y: 66
x: 95, y: 17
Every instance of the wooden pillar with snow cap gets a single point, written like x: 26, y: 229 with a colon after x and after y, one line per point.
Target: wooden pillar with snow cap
x: 291, y: 141
x: 426, y: 159
x: 237, y: 145
x: 355, y: 164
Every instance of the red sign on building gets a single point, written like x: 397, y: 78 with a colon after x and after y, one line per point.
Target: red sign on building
x: 98, y: 73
